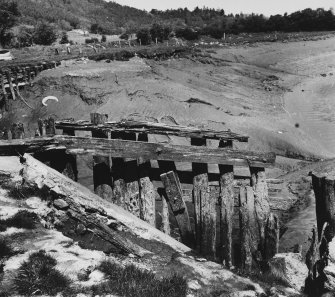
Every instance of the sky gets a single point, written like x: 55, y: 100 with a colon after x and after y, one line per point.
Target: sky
x: 267, y: 7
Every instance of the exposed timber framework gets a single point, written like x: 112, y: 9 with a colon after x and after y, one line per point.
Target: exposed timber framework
x: 146, y: 179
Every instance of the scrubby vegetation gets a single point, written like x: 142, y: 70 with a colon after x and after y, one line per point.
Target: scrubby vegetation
x: 132, y: 281
x: 22, y: 219
x: 5, y: 248
x: 38, y: 276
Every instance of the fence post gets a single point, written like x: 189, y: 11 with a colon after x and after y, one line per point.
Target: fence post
x: 4, y: 93
x: 324, y: 189
x: 17, y: 130
x: 147, y: 189
x: 205, y: 217
x: 9, y: 79
x: 175, y: 199
x: 226, y: 209
x: 262, y: 204
x: 101, y: 165
x: 245, y: 240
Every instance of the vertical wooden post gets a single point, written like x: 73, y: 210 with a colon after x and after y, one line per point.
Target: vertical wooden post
x: 101, y: 168
x: 271, y: 244
x: 147, y: 189
x: 175, y: 199
x: 28, y: 75
x: 262, y: 204
x: 205, y: 220
x: 47, y: 126
x: 131, y: 177
x: 165, y: 227
x: 17, y: 130
x: 42, y: 127
x: 323, y: 186
x: 9, y: 79
x: 70, y: 169
x: 246, y: 256
x: 4, y: 93
x: 226, y: 209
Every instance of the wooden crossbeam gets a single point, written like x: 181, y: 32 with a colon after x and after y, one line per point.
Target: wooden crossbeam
x: 152, y: 128
x: 136, y: 149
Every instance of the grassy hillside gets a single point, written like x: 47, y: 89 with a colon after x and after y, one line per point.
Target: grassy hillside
x: 112, y: 17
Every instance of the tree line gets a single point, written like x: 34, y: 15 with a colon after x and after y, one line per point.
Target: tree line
x: 45, y: 19
x: 213, y: 22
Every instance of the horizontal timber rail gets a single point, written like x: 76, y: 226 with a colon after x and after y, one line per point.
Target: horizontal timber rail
x: 131, y: 126
x: 144, y: 150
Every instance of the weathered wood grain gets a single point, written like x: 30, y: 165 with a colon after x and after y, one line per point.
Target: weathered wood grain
x: 245, y: 241
x: 175, y: 199
x: 146, y: 151
x: 154, y: 128
x: 102, y: 179
x: 147, y: 189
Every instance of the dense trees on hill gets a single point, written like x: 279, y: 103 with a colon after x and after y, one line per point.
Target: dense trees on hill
x: 104, y: 18
x: 214, y: 22
x: 8, y: 18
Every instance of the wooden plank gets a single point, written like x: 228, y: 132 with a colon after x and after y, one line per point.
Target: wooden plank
x: 226, y: 213
x: 175, y: 199
x: 149, y: 151
x: 147, y: 189
x: 155, y: 128
x: 17, y: 130
x: 102, y: 179
x: 9, y: 78
x: 262, y: 203
x: 70, y: 168
x: 165, y: 227
x: 271, y: 245
x: 200, y: 197
x: 36, y: 174
x: 246, y: 256
x: 5, y: 96
x: 324, y: 189
x: 226, y: 208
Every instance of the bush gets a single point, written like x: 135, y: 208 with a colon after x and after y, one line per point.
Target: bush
x: 45, y: 34
x: 132, y: 281
x: 91, y: 40
x: 22, y: 219
x: 38, y: 275
x: 64, y: 39
x: 144, y: 35
x: 187, y: 33
x: 25, y: 36
x: 103, y: 38
x: 5, y: 248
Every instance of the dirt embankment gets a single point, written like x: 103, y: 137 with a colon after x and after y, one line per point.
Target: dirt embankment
x: 242, y: 88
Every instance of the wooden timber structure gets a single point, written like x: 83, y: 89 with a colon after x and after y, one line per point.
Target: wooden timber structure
x: 123, y: 175
x: 13, y: 78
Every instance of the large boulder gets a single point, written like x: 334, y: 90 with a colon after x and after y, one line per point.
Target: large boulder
x: 289, y: 268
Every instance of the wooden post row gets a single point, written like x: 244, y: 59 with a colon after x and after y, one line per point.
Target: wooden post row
x: 102, y: 179
x: 205, y: 208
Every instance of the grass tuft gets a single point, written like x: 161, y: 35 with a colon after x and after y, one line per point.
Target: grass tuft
x: 132, y: 281
x: 22, y: 219
x: 5, y: 248
x: 38, y: 276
